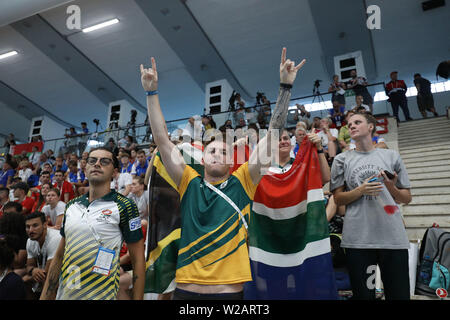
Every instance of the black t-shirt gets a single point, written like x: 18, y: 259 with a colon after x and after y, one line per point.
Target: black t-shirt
x: 12, y: 287
x: 425, y: 86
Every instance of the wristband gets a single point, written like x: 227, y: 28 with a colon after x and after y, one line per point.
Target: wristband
x: 320, y: 151
x: 152, y: 93
x: 286, y: 85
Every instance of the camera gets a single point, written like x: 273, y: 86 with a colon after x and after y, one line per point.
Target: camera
x: 96, y: 121
x: 317, y: 83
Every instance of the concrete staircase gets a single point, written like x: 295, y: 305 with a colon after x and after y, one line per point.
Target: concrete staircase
x: 424, y: 146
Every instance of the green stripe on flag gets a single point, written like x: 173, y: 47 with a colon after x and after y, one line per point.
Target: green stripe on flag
x: 289, y: 235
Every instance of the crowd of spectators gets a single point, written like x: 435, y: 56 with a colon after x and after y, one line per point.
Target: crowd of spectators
x: 36, y: 186
x: 34, y: 190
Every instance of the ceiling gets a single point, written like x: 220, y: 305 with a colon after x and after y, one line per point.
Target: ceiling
x: 71, y: 76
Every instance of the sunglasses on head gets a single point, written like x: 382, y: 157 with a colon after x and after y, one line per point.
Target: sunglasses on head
x: 103, y: 161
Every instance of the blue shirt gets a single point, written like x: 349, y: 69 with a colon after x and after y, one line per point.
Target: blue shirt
x: 337, y: 120
x: 127, y: 169
x: 140, y: 170
x: 4, y: 175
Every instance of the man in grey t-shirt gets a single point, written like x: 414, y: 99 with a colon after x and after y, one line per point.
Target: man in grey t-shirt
x: 373, y: 228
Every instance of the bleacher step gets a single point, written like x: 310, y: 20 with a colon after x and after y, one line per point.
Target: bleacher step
x: 439, y: 154
x: 405, y: 152
x: 444, y: 183
x: 438, y: 134
x: 429, y: 175
x: 427, y: 169
x: 422, y: 209
x: 421, y: 164
x: 417, y: 147
x: 429, y: 191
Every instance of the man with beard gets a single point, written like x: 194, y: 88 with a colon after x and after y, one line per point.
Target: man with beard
x: 41, y: 248
x: 95, y: 225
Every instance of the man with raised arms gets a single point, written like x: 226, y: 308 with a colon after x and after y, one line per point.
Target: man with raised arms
x: 213, y: 260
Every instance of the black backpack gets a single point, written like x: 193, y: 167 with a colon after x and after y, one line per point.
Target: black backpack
x: 435, y: 247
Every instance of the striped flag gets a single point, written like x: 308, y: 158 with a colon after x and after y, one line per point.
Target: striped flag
x: 289, y: 244
x: 165, y: 223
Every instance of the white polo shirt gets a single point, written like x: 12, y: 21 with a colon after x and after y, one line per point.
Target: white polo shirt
x: 106, y: 223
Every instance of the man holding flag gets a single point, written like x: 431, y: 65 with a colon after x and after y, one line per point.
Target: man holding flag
x: 213, y: 260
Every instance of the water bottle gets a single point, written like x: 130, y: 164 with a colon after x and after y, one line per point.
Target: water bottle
x: 426, y: 269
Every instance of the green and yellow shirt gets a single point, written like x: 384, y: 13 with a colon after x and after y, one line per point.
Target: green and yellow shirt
x: 113, y: 218
x: 213, y: 248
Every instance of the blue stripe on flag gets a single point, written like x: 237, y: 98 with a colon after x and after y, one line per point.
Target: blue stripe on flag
x: 308, y: 281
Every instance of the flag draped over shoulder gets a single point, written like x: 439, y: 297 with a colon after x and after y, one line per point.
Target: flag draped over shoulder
x: 165, y: 223
x: 289, y: 244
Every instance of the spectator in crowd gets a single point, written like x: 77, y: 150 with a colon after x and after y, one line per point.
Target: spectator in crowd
x: 372, y: 235
x: 65, y: 187
x: 396, y: 91
x: 72, y: 140
x: 296, y: 115
x: 13, y: 223
x: 328, y: 136
x: 379, y: 142
x: 111, y: 145
x: 75, y: 176
x: 20, y: 193
x: 140, y: 167
x: 4, y: 198
x: 50, y: 156
x: 266, y: 112
x: 140, y: 196
x: 131, y: 143
x: 337, y: 114
x: 43, y: 159
x: 41, y: 247
x: 316, y: 124
x: 359, y: 99
x: 7, y: 173
x: 125, y: 164
x: 11, y: 284
x: 112, y: 227
x: 84, y: 137
x: 359, y: 86
x: 54, y: 209
x: 208, y: 123
x: 35, y: 156
x: 59, y: 164
x: 227, y: 125
x: 344, y: 139
x: 337, y: 90
x: 9, y: 141
x: 425, y: 100
x: 24, y: 170
x: 121, y: 182
x: 299, y: 135
x: 40, y: 201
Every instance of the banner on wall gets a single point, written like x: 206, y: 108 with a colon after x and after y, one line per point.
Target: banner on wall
x: 28, y: 147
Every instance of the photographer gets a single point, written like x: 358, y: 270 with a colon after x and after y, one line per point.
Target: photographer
x: 359, y: 86
x: 337, y: 90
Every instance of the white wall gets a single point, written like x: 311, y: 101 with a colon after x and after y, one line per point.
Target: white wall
x: 13, y: 122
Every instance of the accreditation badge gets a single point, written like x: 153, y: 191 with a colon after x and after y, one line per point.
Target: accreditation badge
x: 103, y: 261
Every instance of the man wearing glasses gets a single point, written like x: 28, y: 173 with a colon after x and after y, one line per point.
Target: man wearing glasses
x: 86, y: 264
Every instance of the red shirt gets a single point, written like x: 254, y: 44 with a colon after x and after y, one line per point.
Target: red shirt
x: 27, y: 203
x: 66, y: 188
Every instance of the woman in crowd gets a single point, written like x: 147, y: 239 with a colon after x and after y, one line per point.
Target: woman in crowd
x: 373, y: 232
